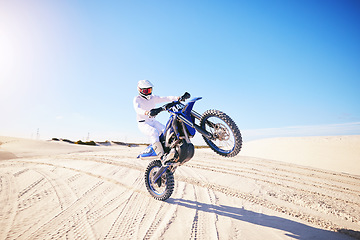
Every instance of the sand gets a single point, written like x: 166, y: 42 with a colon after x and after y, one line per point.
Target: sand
x: 56, y: 190
x: 334, y: 153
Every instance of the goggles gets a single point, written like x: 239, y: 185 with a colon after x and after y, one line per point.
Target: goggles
x: 145, y: 91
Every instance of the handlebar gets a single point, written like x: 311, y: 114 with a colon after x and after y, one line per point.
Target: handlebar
x: 155, y: 111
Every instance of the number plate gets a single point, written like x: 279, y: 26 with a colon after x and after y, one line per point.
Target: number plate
x: 177, y: 107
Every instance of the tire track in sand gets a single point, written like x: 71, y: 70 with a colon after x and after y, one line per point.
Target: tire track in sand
x: 297, y: 195
x: 63, y: 192
x: 293, y: 211
x: 260, y: 200
x: 161, y: 215
x: 126, y: 225
x: 271, y: 166
x: 204, y: 220
x: 74, y: 217
x: 313, y: 180
x: 8, y: 203
x: 319, y: 221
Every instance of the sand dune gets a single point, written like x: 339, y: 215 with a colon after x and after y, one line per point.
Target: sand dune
x: 334, y: 153
x: 62, y: 191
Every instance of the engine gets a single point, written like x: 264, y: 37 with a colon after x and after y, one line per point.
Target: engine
x: 185, y: 151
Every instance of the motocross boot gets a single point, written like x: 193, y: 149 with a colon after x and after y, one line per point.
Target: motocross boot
x: 158, y: 148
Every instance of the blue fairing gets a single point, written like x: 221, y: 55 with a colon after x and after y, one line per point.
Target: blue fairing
x: 190, y: 105
x: 185, y: 110
x: 187, y: 114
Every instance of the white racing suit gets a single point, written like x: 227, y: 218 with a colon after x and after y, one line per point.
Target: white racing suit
x: 149, y: 126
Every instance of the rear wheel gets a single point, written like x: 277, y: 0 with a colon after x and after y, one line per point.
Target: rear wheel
x: 227, y: 137
x: 164, y: 186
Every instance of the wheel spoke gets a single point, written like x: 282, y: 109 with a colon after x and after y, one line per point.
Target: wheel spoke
x: 160, y: 185
x: 226, y: 139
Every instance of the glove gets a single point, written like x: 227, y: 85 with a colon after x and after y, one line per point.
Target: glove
x: 169, y: 105
x: 184, y: 97
x: 155, y: 111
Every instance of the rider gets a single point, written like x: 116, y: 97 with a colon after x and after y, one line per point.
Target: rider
x: 144, y: 105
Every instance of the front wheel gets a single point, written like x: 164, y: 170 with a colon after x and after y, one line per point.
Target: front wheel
x: 227, y: 139
x: 164, y: 186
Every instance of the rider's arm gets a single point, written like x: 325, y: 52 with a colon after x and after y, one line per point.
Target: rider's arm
x: 139, y: 108
x: 158, y: 99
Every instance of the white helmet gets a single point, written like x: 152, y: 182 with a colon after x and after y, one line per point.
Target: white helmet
x: 145, y: 88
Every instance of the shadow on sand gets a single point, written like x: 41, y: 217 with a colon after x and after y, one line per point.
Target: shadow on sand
x: 291, y: 228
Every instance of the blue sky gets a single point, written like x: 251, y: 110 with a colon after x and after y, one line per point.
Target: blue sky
x: 70, y: 68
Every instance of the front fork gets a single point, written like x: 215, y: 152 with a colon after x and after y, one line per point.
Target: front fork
x: 162, y: 170
x: 197, y: 127
x: 201, y: 130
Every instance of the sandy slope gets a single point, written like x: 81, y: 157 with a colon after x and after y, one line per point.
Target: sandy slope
x: 335, y: 153
x: 64, y: 191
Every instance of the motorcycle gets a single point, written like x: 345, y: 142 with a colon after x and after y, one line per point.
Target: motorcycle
x: 218, y: 130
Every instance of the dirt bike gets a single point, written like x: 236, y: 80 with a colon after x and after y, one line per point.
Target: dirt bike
x: 218, y: 130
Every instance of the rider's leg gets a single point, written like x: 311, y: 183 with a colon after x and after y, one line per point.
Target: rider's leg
x: 158, y: 125
x: 158, y: 148
x: 153, y: 130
